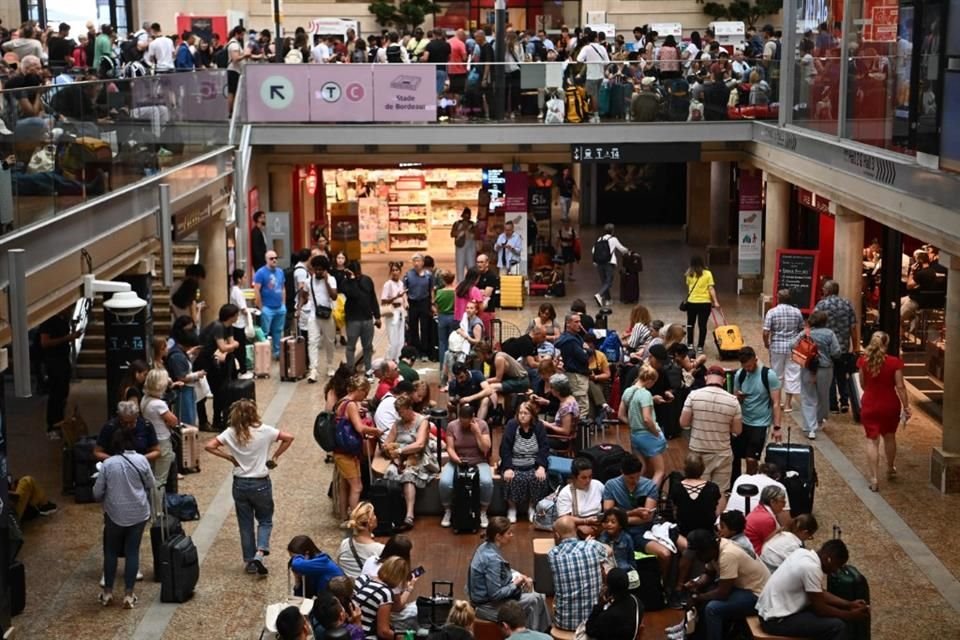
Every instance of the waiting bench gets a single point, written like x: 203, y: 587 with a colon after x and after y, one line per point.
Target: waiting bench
x: 753, y: 623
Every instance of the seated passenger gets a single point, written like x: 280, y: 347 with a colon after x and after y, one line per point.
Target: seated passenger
x: 599, y: 377
x: 292, y: 625
x: 459, y: 623
x: 564, y: 424
x: 730, y: 525
x: 582, y: 498
x: 695, y: 500
x: 29, y: 499
x: 794, y: 603
x: 404, y: 614
x: 760, y: 476
x: 374, y: 598
x: 311, y: 567
x: 407, y: 447
x: 509, y: 376
x: 619, y: 614
x: 762, y: 522
x: 523, y: 461
x: 731, y: 584
x: 782, y: 544
x: 329, y: 615
x: 356, y: 548
x: 468, y: 382
x: 615, y: 535
x: 468, y: 443
x: 577, y: 568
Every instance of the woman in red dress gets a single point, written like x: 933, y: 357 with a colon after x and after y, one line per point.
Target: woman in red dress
x: 884, y: 404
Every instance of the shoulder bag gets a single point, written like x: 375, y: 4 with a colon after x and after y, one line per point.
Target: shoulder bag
x: 683, y: 305
x: 319, y: 310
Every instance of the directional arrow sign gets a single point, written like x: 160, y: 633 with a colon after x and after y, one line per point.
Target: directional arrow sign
x: 276, y: 92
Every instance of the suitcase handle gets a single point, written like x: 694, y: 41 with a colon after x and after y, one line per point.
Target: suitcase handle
x: 447, y: 594
x: 713, y: 314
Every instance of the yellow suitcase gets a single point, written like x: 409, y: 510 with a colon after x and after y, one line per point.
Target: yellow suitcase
x: 511, y: 292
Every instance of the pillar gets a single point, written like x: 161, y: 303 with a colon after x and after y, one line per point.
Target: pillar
x: 718, y: 251
x: 776, y: 228
x: 945, y: 460
x: 848, y: 255
x: 698, y: 204
x: 213, y: 256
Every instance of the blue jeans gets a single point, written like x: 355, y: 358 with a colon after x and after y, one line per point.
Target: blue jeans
x: 739, y: 604
x: 446, y: 484
x: 606, y: 272
x: 441, y: 80
x: 446, y: 324
x: 361, y: 330
x: 271, y: 321
x: 117, y: 539
x: 253, y: 497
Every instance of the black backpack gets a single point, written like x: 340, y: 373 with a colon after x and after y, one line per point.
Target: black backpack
x: 324, y: 430
x: 601, y: 250
x: 394, y: 53
x: 764, y: 376
x: 222, y: 57
x: 290, y: 284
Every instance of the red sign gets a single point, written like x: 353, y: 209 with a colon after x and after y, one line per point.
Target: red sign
x: 813, y: 201
x: 515, y: 193
x: 883, y: 17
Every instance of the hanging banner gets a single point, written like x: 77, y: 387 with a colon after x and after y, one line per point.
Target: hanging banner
x: 750, y: 230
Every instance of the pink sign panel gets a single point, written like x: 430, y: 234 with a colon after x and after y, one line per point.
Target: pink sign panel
x: 277, y: 92
x: 404, y: 93
x: 341, y: 93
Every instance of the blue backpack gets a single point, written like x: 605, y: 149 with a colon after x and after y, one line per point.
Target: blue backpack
x: 612, y: 347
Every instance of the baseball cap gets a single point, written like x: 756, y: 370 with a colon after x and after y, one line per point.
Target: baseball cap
x: 716, y: 370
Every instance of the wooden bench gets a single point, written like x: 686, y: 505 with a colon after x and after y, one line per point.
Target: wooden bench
x: 486, y: 630
x: 753, y: 623
x: 542, y: 574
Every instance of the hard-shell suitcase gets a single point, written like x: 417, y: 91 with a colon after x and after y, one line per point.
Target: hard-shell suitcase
x: 293, y: 358
x: 796, y: 458
x: 607, y: 460
x: 465, y: 514
x: 262, y: 359
x: 650, y: 592
x: 728, y: 338
x: 179, y: 569
x: 386, y: 496
x: 629, y: 287
x: 239, y: 390
x: 190, y: 449
x: 164, y: 527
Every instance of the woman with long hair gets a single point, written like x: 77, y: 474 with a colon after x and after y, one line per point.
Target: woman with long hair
x: 154, y: 410
x: 246, y: 444
x: 523, y: 460
x: 701, y: 298
x: 131, y: 388
x: 465, y: 248
x: 639, y: 333
x: 347, y: 454
x: 375, y: 598
x: 393, y: 297
x: 311, y: 566
x: 884, y: 405
x: 646, y: 437
x: 338, y: 270
x: 546, y: 319
x: 467, y: 291
x: 404, y: 615
x: 356, y: 548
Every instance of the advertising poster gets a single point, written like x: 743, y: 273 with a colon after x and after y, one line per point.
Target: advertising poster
x: 373, y: 230
x: 404, y: 93
x: 750, y: 230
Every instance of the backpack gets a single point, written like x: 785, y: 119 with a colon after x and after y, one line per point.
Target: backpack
x: 806, y: 353
x: 555, y: 110
x: 290, y: 284
x: 577, y: 104
x: 108, y: 68
x: 612, y: 347
x: 764, y: 376
x: 222, y: 57
x: 601, y: 250
x: 325, y: 430
x: 394, y: 53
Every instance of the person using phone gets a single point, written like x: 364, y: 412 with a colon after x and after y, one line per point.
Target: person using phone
x: 404, y: 613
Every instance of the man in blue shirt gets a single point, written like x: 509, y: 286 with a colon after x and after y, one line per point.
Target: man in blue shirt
x: 570, y: 346
x: 509, y: 249
x: 759, y: 406
x: 418, y: 283
x: 270, y: 297
x: 184, y: 59
x: 467, y: 382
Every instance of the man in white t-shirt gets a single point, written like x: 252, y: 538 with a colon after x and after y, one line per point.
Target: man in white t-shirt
x: 317, y: 314
x: 386, y: 414
x: 588, y: 494
x: 764, y: 476
x: 320, y: 53
x: 795, y: 602
x: 596, y: 57
x: 160, y: 51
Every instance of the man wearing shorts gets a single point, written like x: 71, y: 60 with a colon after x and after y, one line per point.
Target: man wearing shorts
x: 236, y: 55
x: 713, y: 417
x: 509, y: 376
x: 758, y: 390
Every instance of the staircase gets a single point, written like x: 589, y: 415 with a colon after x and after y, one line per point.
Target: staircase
x: 91, y: 361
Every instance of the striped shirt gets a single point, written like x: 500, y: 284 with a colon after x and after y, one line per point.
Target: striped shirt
x: 576, y: 573
x: 713, y: 411
x: 784, y: 322
x: 525, y: 450
x: 369, y: 595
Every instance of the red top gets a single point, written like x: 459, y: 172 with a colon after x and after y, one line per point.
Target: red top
x: 880, y: 412
x: 761, y: 524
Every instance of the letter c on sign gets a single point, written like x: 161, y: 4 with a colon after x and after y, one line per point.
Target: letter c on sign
x: 355, y: 92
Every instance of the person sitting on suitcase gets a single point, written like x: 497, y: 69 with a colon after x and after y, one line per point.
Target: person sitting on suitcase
x: 468, y: 443
x: 795, y: 602
x: 128, y: 419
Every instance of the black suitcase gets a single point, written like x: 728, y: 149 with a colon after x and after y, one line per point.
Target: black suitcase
x: 164, y: 527
x: 465, y: 511
x: 632, y: 262
x: 629, y: 287
x: 179, y: 569
x: 801, y: 487
x: 607, y: 460
x: 529, y: 103
x: 238, y: 390
x: 650, y: 593
x: 386, y: 496
x: 18, y: 588
x: 83, y: 464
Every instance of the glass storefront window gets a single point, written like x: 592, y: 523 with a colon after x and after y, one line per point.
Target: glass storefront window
x: 521, y: 14
x: 817, y: 64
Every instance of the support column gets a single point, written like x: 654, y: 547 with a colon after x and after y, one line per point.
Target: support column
x: 945, y: 460
x: 698, y: 204
x: 213, y: 256
x: 848, y: 256
x: 718, y: 251
x: 776, y: 228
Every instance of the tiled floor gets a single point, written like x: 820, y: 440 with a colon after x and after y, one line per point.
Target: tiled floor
x: 62, y: 553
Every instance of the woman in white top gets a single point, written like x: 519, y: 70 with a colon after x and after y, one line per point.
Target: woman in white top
x: 392, y: 301
x: 246, y: 444
x: 404, y: 614
x: 582, y: 498
x: 155, y: 411
x: 782, y: 544
x: 240, y: 325
x: 356, y: 549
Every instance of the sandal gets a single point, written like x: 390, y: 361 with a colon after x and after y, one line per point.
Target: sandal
x: 891, y: 473
x: 875, y: 486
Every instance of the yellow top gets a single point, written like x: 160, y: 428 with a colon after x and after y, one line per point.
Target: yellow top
x: 699, y: 288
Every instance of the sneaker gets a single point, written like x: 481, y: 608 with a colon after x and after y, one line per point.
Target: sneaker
x: 130, y: 601
x: 312, y: 378
x: 331, y: 372
x: 251, y: 568
x: 105, y: 599
x: 512, y: 515
x: 811, y: 435
x: 446, y: 519
x: 47, y: 509
x: 484, y: 522
x: 103, y: 582
x: 844, y: 408
x: 246, y: 376
x: 260, y: 567
x: 599, y: 300
x: 139, y: 576
x: 531, y: 514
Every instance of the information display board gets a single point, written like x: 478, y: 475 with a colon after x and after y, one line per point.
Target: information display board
x: 797, y: 271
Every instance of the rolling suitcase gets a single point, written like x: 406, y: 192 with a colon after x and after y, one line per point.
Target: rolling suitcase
x: 386, y: 496
x: 802, y: 484
x: 17, y: 576
x: 629, y: 287
x: 728, y: 338
x: 293, y: 359
x: 83, y: 465
x: 262, y: 359
x: 239, y: 390
x: 465, y: 514
x: 650, y: 593
x: 607, y: 460
x: 164, y: 527
x: 190, y: 449
x: 848, y: 583
x: 179, y: 569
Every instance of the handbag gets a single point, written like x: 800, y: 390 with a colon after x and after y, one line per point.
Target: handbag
x: 683, y: 304
x: 546, y: 512
x: 319, y: 310
x: 250, y: 330
x: 347, y: 439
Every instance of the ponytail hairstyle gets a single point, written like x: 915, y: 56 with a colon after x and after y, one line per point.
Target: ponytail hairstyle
x: 876, y: 352
x: 243, y: 417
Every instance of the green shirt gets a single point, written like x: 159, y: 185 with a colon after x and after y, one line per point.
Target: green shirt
x: 444, y: 300
x: 407, y: 372
x: 102, y: 46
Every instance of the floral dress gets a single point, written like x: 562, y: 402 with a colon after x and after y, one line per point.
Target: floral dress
x: 418, y: 469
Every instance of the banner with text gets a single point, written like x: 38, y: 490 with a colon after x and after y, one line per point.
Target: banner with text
x: 750, y: 231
